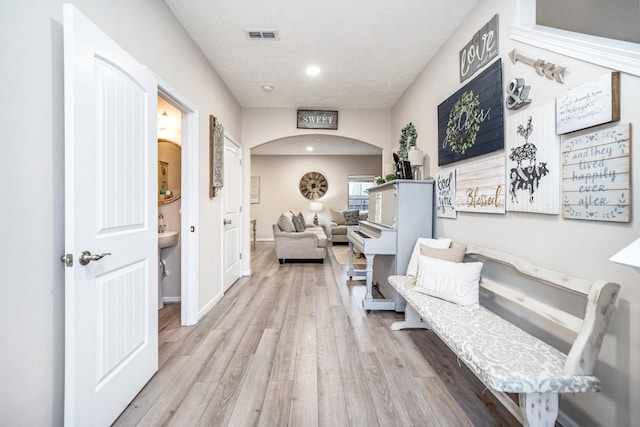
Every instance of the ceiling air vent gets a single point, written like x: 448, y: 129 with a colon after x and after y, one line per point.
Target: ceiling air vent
x: 262, y: 34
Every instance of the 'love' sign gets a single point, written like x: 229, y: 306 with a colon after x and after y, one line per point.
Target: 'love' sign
x: 480, y: 50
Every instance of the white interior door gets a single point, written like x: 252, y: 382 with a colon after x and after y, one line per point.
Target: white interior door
x: 232, y: 202
x: 111, y: 317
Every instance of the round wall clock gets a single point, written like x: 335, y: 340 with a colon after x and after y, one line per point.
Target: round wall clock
x: 313, y: 185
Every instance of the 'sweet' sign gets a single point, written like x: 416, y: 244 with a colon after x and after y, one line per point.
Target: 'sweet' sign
x: 317, y: 119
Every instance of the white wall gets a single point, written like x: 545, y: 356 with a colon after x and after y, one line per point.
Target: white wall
x: 32, y: 320
x: 279, y: 189
x: 581, y: 248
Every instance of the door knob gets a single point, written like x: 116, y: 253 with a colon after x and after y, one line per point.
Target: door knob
x: 227, y: 221
x: 86, y: 257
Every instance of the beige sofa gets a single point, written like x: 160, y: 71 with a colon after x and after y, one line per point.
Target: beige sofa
x: 339, y: 227
x: 309, y: 242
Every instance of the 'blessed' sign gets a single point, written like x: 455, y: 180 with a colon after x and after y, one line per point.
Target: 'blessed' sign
x: 317, y: 119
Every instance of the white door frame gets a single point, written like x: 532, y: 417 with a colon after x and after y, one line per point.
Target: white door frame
x: 189, y: 203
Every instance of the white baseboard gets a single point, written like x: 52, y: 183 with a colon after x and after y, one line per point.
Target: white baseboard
x: 171, y: 300
x: 246, y: 273
x: 209, y: 305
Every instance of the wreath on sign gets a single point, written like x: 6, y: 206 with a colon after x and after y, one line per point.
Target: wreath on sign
x: 462, y: 130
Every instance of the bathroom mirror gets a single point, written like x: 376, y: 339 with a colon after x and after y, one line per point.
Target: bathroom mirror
x: 169, y: 171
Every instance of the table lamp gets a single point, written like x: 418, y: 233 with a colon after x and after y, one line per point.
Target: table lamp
x: 315, y: 207
x: 416, y: 158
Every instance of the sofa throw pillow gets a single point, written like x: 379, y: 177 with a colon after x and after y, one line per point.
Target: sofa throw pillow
x: 351, y: 217
x: 297, y: 223
x: 285, y: 222
x: 304, y: 223
x: 337, y: 217
x: 412, y: 268
x: 457, y: 282
x: 364, y: 215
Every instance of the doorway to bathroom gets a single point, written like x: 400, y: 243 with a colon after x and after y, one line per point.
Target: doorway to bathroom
x: 177, y: 204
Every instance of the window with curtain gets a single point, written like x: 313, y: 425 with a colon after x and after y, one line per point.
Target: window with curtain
x: 358, y: 194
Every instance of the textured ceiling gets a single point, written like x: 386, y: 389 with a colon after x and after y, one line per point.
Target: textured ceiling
x: 369, y: 52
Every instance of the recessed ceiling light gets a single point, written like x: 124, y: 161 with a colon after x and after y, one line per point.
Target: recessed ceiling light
x: 313, y: 70
x: 267, y: 87
x: 309, y: 148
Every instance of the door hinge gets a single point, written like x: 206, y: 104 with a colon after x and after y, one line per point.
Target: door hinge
x: 67, y: 259
x: 240, y: 209
x: 240, y: 256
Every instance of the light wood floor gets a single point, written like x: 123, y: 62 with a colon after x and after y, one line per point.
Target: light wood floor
x: 292, y: 346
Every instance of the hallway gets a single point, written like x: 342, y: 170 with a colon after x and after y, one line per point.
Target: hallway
x: 291, y: 345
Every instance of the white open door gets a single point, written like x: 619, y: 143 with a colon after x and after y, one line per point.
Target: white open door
x: 111, y: 317
x: 232, y: 202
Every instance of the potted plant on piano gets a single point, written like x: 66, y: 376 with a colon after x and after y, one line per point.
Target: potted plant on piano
x: 408, y: 137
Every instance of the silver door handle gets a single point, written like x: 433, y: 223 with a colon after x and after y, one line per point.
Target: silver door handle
x: 226, y: 221
x: 86, y: 257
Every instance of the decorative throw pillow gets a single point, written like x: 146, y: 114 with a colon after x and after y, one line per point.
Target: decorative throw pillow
x: 457, y: 282
x: 454, y: 254
x: 297, y: 223
x: 412, y: 268
x: 364, y: 215
x: 285, y: 222
x: 337, y: 217
x: 304, y: 223
x: 351, y: 217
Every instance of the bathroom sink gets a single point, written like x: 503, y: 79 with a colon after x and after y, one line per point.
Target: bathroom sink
x: 167, y: 239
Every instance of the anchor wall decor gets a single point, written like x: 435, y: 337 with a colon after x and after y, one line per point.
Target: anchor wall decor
x: 543, y: 68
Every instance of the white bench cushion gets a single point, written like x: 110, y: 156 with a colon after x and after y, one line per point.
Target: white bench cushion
x: 503, y: 356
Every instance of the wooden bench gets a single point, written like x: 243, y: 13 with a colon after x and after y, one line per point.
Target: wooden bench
x: 504, y: 357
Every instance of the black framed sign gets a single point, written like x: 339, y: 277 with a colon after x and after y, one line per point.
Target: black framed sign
x: 317, y: 119
x: 471, y: 122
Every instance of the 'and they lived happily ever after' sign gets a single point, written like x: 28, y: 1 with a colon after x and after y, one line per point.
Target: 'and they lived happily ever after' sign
x: 595, y: 174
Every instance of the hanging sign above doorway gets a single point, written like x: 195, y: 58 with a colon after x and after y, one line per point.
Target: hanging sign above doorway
x: 317, y: 119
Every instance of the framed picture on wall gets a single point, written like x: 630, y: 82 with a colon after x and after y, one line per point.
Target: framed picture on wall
x: 470, y: 122
x: 533, y: 161
x: 255, y: 189
x: 216, y: 156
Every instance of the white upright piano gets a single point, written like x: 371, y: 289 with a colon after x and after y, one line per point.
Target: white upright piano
x: 400, y: 211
